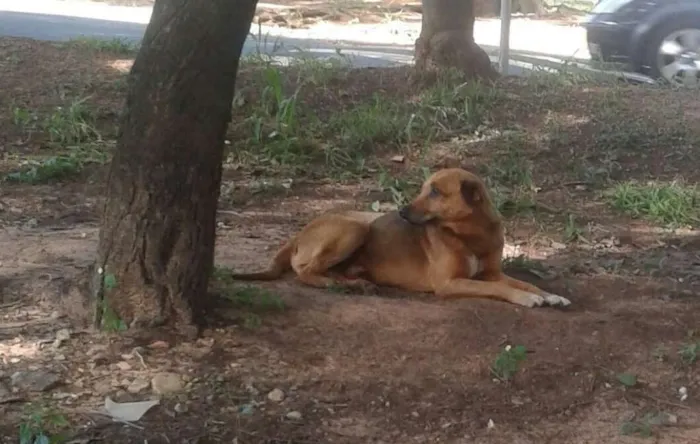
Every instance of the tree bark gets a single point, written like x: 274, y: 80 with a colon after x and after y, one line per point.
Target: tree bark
x: 447, y: 40
x: 156, y: 246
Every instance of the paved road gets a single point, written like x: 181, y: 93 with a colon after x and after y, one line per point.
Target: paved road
x: 63, y: 28
x: 367, y: 45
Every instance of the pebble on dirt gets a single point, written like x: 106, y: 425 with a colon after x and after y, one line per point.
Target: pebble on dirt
x: 276, y: 395
x: 294, y: 415
x: 138, y: 385
x: 35, y: 381
x: 167, y: 383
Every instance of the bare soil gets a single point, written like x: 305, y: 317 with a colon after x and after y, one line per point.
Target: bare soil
x: 385, y: 368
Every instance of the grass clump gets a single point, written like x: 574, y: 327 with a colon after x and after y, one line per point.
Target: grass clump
x: 71, y: 125
x: 116, y: 45
x: 252, y: 301
x: 508, y: 361
x: 672, y: 204
x: 57, y: 168
x: 289, y: 124
x: 41, y: 426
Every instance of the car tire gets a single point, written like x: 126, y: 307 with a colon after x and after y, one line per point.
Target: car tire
x: 657, y: 37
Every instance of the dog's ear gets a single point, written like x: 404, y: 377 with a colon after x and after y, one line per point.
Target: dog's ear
x: 471, y: 192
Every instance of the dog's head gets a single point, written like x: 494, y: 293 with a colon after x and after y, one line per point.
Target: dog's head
x: 450, y: 195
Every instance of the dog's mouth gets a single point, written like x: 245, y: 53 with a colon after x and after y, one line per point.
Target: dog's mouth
x: 409, y: 216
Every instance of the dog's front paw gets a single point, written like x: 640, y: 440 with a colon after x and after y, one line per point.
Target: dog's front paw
x: 530, y: 300
x: 556, y: 301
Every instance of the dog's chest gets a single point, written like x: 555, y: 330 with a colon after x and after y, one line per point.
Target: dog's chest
x: 473, y: 266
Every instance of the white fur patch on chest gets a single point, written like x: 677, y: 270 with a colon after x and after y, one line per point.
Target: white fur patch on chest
x: 474, y: 266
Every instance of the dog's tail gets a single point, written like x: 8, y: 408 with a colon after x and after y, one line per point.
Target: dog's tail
x: 281, y: 263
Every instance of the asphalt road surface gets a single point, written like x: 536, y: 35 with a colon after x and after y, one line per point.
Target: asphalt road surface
x: 64, y: 20
x: 54, y: 27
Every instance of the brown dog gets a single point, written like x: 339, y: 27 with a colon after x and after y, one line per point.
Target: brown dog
x: 448, y: 241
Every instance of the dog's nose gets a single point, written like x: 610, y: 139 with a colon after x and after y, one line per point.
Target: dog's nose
x: 403, y: 212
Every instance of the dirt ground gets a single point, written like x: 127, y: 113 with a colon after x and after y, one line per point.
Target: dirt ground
x: 569, y: 160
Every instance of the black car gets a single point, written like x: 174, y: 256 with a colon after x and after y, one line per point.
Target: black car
x: 658, y: 38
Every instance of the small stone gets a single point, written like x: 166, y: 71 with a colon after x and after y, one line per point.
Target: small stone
x: 294, y: 415
x: 159, y: 344
x: 123, y: 365
x: 180, y: 408
x: 246, y: 409
x: 490, y: 424
x: 415, y: 414
x: 250, y: 388
x: 166, y: 383
x: 102, y: 387
x: 35, y: 381
x: 59, y: 357
x: 663, y: 418
x: 30, y: 224
x: 276, y: 395
x: 63, y: 334
x: 138, y: 385
x: 95, y: 350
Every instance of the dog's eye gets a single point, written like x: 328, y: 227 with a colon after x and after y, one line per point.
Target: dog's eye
x: 434, y: 192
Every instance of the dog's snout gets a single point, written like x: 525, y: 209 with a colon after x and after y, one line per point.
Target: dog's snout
x: 404, y: 212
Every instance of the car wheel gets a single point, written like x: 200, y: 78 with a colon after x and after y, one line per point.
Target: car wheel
x: 673, y: 52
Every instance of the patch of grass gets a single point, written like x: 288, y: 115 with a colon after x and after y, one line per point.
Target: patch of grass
x: 626, y: 379
x: 41, y: 426
x: 379, y: 122
x: 402, y: 189
x: 24, y: 119
x: 689, y: 353
x: 290, y: 124
x: 452, y: 105
x: 509, y: 175
x: 636, y: 428
x: 71, y: 125
x: 644, y: 426
x: 508, y: 361
x: 597, y: 170
x: 319, y: 71
x: 116, y: 45
x: 57, y: 168
x: 109, y: 320
x: 254, y: 300
x: 572, y: 232
x: 614, y: 134
x: 522, y: 262
x: 672, y: 204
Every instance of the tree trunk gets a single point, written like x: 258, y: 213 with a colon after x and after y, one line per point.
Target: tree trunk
x: 156, y: 247
x: 447, y: 40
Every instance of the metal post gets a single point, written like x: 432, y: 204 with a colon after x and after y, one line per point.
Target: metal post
x: 503, y: 53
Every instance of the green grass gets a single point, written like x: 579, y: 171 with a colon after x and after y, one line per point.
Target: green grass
x: 253, y: 302
x: 283, y: 131
x: 508, y: 361
x: 689, y: 352
x: 41, y: 425
x: 116, y: 45
x: 672, y: 204
x: 58, y: 168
